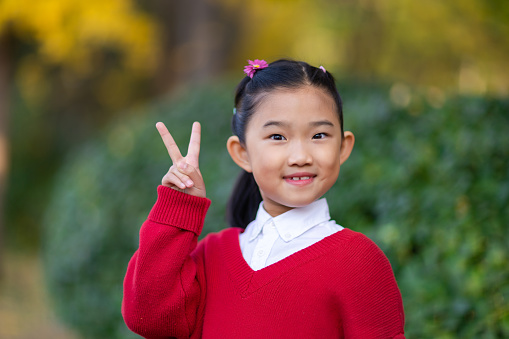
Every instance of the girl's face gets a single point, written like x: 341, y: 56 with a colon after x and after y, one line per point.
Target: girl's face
x: 294, y: 148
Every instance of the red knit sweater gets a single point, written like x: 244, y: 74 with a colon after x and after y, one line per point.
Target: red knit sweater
x: 340, y: 287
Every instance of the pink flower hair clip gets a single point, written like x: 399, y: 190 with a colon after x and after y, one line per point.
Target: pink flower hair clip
x: 323, y: 69
x: 254, y: 66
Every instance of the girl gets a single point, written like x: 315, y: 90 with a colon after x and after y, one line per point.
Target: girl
x: 285, y: 270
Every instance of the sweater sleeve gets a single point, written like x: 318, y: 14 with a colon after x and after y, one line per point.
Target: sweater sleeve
x: 373, y: 308
x: 163, y: 286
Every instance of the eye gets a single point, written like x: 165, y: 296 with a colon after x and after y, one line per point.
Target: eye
x: 320, y: 135
x: 278, y: 137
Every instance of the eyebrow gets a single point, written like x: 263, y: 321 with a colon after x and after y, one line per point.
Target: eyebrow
x: 275, y: 123
x: 322, y: 123
x: 285, y: 124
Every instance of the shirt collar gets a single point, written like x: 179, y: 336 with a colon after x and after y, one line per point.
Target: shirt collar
x: 293, y: 223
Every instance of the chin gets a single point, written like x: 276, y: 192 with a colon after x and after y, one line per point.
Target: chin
x: 297, y: 204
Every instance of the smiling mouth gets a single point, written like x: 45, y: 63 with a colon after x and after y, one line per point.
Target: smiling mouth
x: 299, y: 178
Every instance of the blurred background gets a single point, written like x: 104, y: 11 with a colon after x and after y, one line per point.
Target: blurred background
x: 425, y: 88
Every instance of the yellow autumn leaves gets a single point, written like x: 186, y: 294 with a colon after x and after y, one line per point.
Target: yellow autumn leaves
x: 69, y: 31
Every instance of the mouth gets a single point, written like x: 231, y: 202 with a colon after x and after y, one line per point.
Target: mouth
x: 299, y: 178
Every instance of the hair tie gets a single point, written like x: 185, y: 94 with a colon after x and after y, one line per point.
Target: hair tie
x: 323, y: 69
x: 254, y: 66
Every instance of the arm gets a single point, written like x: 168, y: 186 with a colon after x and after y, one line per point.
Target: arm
x: 373, y: 307
x: 163, y: 291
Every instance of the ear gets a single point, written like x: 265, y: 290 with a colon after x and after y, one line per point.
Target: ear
x: 238, y: 153
x: 346, y: 146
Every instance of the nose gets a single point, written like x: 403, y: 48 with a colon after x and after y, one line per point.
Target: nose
x: 299, y: 154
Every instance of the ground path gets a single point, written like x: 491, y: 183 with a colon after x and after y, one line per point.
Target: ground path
x: 25, y: 308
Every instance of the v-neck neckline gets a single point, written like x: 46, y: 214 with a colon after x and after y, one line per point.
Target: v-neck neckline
x: 249, y: 280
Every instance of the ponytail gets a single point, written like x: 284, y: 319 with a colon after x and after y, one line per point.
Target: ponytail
x: 244, y: 201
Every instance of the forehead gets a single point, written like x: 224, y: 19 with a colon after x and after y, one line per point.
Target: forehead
x: 307, y: 103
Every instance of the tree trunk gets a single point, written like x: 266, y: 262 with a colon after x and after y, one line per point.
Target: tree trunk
x: 4, y: 135
x: 197, y: 39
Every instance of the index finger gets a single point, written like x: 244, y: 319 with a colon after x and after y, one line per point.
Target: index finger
x: 170, y: 144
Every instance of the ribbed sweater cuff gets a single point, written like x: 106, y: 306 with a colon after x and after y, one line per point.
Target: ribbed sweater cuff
x: 179, y: 209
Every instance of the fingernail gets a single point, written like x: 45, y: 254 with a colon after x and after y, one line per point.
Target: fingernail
x: 189, y: 183
x: 182, y: 186
x: 183, y: 165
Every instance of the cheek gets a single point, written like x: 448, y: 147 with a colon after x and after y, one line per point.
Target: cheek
x: 267, y: 161
x: 329, y: 159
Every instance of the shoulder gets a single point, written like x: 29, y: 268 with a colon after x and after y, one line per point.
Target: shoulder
x: 362, y: 243
x: 361, y: 254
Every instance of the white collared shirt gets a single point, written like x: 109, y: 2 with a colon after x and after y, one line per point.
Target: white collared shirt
x: 267, y: 240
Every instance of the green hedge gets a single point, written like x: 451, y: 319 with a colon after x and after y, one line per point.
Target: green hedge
x: 429, y: 185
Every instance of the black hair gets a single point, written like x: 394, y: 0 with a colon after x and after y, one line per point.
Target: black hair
x: 281, y: 74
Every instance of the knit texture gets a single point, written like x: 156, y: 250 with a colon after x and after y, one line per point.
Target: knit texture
x: 340, y: 287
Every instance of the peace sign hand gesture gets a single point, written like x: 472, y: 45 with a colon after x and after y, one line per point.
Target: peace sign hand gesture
x: 184, y: 175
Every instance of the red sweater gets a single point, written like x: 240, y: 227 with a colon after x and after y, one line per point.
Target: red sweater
x: 340, y: 287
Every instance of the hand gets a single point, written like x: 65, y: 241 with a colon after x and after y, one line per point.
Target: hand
x: 184, y: 175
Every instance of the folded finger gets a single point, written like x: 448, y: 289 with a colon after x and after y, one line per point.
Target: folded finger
x: 180, y: 172
x: 170, y: 179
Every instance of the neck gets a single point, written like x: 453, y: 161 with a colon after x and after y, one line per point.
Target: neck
x: 275, y: 210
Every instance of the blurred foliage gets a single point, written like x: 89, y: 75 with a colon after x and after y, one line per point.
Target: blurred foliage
x: 459, y: 45
x: 77, y: 65
x: 428, y: 181
x: 69, y: 32
x: 74, y: 39
x: 72, y: 64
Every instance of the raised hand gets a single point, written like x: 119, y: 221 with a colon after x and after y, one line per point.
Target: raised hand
x: 184, y: 174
